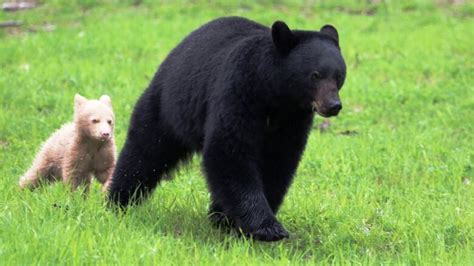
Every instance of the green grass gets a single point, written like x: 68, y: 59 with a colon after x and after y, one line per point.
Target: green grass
x: 394, y: 190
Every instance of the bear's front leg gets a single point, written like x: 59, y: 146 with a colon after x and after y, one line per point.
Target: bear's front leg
x: 218, y: 217
x: 282, y: 151
x: 236, y: 187
x: 230, y: 157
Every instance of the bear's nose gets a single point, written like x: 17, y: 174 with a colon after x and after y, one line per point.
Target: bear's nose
x: 105, y: 135
x: 335, y: 108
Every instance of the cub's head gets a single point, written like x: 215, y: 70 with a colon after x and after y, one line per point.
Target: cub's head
x: 94, y: 118
x: 313, y: 69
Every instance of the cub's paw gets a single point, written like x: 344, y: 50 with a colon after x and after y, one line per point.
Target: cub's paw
x: 269, y: 232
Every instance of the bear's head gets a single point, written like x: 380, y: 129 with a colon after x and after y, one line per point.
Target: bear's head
x: 94, y: 118
x: 312, y: 67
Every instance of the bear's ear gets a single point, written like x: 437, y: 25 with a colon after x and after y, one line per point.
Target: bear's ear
x: 283, y: 38
x: 330, y: 31
x: 79, y: 100
x: 106, y: 100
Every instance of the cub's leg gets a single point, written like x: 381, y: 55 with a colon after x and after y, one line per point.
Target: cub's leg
x: 42, y: 170
x: 104, y: 176
x: 83, y: 180
x: 34, y: 177
x: 75, y: 175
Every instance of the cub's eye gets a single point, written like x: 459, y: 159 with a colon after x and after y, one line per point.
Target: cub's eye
x: 109, y: 122
x: 315, y: 76
x: 95, y: 121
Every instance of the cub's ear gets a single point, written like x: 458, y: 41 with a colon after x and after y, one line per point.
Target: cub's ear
x: 330, y: 31
x: 79, y: 100
x: 106, y: 100
x: 283, y: 38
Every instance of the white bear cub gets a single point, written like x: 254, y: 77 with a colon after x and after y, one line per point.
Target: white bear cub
x: 79, y: 149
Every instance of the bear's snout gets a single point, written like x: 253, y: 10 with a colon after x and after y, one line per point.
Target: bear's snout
x: 327, y: 110
x: 326, y: 99
x: 334, y: 108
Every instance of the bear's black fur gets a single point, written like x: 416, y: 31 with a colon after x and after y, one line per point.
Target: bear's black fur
x: 244, y: 96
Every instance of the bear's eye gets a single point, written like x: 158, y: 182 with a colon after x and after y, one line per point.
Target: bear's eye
x: 315, y: 76
x: 109, y: 122
x: 95, y: 121
x: 339, y: 79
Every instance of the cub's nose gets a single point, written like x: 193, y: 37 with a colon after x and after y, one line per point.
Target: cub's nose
x: 335, y: 108
x: 105, y: 135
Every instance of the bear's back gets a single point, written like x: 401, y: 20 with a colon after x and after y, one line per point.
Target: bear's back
x: 186, y: 77
x: 206, y: 48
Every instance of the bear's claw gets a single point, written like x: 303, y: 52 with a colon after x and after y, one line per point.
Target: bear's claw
x: 269, y: 233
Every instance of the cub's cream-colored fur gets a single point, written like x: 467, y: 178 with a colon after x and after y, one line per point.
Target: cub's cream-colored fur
x: 79, y: 149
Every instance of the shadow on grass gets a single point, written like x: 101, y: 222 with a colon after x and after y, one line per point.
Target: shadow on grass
x: 193, y: 226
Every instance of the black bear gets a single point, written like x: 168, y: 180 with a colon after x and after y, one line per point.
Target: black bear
x: 244, y: 96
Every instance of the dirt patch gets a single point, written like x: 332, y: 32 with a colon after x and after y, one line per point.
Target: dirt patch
x: 4, y: 144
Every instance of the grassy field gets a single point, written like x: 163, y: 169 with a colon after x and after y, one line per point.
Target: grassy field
x: 389, y: 181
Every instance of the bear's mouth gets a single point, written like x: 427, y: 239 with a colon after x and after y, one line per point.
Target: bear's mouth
x: 316, y: 109
x: 314, y: 106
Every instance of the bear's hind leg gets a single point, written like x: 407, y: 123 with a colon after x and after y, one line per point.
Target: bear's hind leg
x: 141, y: 165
